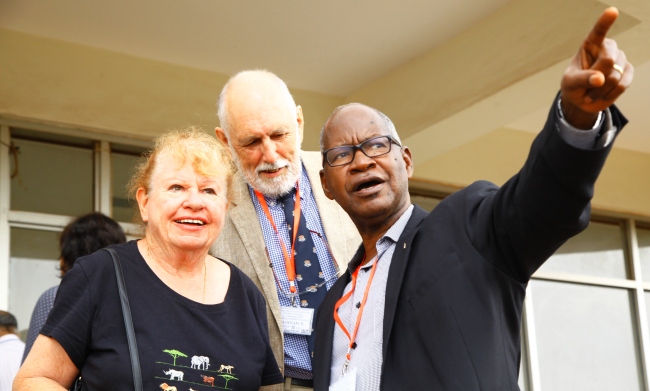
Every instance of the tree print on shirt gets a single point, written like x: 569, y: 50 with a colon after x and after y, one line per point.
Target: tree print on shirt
x: 228, y: 378
x: 175, y: 353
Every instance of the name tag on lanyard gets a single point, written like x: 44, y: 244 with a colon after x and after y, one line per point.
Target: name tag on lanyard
x: 347, y: 382
x: 297, y: 320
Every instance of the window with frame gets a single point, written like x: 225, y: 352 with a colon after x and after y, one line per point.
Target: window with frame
x: 49, y: 176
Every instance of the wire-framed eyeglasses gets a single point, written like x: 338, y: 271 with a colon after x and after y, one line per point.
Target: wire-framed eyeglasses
x: 373, y: 147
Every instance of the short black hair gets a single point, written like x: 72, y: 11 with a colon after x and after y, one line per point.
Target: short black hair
x: 87, y: 234
x: 8, y: 320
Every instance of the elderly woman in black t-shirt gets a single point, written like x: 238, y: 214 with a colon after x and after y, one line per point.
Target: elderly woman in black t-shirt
x: 199, y: 322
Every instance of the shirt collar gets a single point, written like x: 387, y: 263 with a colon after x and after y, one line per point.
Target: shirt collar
x: 305, y: 186
x: 391, y: 236
x: 395, y: 231
x: 8, y: 337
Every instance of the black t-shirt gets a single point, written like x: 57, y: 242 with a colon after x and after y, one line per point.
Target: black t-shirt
x: 180, y: 342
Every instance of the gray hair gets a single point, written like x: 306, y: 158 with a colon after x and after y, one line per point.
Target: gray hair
x: 388, y: 124
x: 222, y: 106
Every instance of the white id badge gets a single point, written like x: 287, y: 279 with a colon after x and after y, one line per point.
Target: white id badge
x: 297, y: 320
x: 347, y: 382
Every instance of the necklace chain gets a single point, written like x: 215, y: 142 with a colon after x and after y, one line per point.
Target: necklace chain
x: 205, y: 272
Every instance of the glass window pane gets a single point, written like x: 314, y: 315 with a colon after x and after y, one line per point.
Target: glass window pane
x: 31, y: 243
x: 122, y: 168
x: 643, y: 238
x: 647, y: 305
x: 597, y: 251
x: 52, y: 178
x: 585, y: 337
x: 33, y: 268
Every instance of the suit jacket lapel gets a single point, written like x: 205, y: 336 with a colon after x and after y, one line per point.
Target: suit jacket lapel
x: 244, y: 218
x: 397, y: 270
x: 321, y: 362
x: 326, y: 327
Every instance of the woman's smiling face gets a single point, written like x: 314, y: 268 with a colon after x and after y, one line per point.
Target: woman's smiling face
x: 183, y: 208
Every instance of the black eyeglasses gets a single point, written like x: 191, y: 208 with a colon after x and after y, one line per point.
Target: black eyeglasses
x: 373, y: 147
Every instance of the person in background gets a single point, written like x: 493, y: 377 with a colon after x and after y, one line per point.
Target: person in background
x: 11, y: 350
x: 83, y: 236
x: 263, y: 127
x: 199, y: 321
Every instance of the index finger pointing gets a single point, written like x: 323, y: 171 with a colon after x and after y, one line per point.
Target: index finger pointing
x: 598, y: 34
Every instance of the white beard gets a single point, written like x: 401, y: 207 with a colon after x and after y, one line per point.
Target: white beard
x: 272, y: 187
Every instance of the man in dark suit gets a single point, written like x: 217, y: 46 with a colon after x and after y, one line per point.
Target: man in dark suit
x: 434, y: 301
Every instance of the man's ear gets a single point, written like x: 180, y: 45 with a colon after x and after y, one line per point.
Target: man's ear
x: 143, y: 199
x: 323, y: 183
x: 408, y: 160
x: 221, y: 135
x: 301, y: 124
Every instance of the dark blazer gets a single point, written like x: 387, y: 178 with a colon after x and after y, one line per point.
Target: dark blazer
x: 458, y: 277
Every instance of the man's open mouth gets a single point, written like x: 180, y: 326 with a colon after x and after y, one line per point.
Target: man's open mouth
x: 367, y: 185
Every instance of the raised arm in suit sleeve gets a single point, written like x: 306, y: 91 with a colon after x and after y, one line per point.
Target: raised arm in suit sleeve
x: 520, y: 225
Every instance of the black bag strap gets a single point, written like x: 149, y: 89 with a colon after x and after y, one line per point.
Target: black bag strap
x: 128, y: 323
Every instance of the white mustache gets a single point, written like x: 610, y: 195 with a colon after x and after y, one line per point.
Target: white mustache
x: 278, y: 164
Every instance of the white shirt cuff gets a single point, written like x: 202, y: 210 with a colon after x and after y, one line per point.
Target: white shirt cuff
x: 586, y: 139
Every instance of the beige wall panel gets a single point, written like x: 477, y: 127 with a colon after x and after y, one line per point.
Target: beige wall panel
x: 623, y: 185
x: 494, y: 157
x: 315, y: 109
x: 60, y: 82
x: 519, y: 40
x: 54, y: 81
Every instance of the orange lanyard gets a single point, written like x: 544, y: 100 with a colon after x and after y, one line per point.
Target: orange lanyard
x: 345, y: 298
x: 289, y: 260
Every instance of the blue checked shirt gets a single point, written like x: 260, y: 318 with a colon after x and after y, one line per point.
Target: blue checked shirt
x: 296, y: 353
